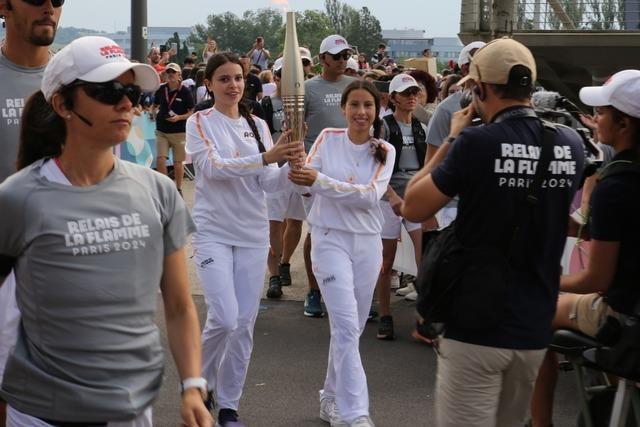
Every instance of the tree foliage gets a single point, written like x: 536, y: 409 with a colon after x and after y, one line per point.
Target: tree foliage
x: 238, y: 34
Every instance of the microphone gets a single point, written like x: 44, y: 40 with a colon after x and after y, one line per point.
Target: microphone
x: 544, y: 100
x: 84, y: 119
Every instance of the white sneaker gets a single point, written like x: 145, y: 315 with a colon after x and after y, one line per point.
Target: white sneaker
x: 395, y: 280
x: 363, y: 421
x: 329, y: 411
x: 406, y: 290
x: 412, y: 296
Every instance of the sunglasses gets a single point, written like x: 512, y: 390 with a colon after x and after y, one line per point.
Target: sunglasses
x: 339, y: 56
x: 170, y: 71
x: 412, y: 91
x: 111, y: 93
x: 55, y: 3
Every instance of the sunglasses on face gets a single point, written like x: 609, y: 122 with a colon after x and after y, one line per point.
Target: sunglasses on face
x: 55, y: 3
x: 339, y: 56
x: 306, y: 62
x: 414, y: 91
x: 111, y: 93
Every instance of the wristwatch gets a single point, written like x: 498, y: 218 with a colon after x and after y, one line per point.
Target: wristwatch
x: 199, y: 383
x: 450, y: 139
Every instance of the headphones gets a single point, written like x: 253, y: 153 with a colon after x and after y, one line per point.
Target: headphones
x: 479, y: 92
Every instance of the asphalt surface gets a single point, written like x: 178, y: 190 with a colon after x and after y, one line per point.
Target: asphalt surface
x: 290, y: 359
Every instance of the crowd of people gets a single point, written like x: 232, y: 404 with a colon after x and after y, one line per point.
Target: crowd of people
x: 385, y: 147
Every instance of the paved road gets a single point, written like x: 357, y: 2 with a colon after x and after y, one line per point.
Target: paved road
x: 289, y: 362
x: 290, y: 358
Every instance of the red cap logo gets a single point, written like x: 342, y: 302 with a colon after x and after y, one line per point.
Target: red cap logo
x: 113, y: 51
x: 341, y: 41
x: 407, y: 79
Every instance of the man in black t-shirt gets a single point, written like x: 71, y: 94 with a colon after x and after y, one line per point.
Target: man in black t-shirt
x: 252, y: 84
x: 173, y: 104
x: 486, y: 373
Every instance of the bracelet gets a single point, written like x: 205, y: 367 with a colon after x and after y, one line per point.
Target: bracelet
x: 450, y: 139
x: 199, y: 383
x: 264, y: 160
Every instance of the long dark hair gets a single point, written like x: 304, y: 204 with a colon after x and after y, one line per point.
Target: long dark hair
x: 42, y: 131
x: 380, y: 152
x: 218, y: 60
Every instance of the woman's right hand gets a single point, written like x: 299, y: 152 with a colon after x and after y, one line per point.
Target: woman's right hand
x: 284, y: 151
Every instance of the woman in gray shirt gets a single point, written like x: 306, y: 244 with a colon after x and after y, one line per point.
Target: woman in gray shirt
x: 92, y: 239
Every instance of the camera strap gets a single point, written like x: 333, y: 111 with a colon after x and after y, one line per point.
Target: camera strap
x: 517, y: 112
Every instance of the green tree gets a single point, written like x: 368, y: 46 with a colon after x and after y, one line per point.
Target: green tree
x: 340, y: 15
x: 312, y: 26
x: 365, y: 31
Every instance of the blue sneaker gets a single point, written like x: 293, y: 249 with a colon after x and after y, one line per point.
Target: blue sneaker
x: 312, y: 307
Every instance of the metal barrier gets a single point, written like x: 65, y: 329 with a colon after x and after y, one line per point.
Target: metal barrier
x: 551, y: 15
x: 580, y: 15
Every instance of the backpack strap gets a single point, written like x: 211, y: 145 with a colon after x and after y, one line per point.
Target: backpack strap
x: 618, y: 167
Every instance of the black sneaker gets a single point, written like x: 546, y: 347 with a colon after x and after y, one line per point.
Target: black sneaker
x: 228, y: 418
x: 275, y: 287
x: 312, y: 307
x: 372, y: 314
x: 285, y: 274
x: 385, y: 329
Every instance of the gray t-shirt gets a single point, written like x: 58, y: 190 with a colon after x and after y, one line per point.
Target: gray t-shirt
x: 440, y: 124
x: 322, y: 106
x: 259, y: 57
x: 408, y: 164
x: 88, y: 270
x: 17, y: 84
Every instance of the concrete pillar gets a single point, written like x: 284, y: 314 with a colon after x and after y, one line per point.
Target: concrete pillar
x: 503, y: 17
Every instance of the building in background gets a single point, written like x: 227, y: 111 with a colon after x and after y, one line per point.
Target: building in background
x: 157, y: 36
x: 409, y: 43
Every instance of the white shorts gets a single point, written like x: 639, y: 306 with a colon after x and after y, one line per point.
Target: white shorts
x: 446, y: 216
x: 18, y: 419
x: 393, y: 222
x: 285, y: 205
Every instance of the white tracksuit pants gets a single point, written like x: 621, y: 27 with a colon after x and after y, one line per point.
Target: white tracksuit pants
x: 9, y: 320
x: 232, y: 278
x: 346, y: 266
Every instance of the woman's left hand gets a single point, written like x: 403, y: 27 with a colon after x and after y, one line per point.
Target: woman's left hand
x: 305, y: 176
x: 193, y: 411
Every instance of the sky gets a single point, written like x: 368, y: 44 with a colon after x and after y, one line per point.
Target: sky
x: 439, y: 18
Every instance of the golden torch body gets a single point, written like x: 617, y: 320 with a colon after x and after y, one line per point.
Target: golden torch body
x: 292, y: 82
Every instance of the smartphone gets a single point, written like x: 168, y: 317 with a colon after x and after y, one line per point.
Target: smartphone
x: 174, y: 47
x: 163, y: 48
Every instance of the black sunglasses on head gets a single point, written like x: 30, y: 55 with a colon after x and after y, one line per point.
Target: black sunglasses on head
x: 55, y: 3
x: 111, y: 93
x: 339, y: 56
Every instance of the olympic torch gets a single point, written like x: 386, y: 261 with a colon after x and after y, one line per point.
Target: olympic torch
x: 292, y: 82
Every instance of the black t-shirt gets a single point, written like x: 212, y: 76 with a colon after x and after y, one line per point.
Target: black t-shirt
x: 179, y: 101
x: 489, y: 167
x: 614, y: 213
x: 253, y: 87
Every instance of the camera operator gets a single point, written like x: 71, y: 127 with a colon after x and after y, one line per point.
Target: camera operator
x: 486, y: 373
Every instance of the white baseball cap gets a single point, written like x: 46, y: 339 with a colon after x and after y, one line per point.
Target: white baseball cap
x: 352, y: 63
x: 334, y: 44
x: 402, y: 82
x: 305, y: 53
x: 96, y: 60
x: 278, y: 64
x: 621, y: 91
x: 465, y: 57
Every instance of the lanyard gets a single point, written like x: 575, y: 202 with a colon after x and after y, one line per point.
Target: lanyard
x: 166, y: 94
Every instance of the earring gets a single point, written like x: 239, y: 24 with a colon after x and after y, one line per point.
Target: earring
x: 68, y: 117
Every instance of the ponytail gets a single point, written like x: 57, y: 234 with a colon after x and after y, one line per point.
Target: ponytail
x: 246, y: 113
x: 42, y: 133
x: 379, y: 153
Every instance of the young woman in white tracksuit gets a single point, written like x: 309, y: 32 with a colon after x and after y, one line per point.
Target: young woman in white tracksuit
x: 348, y: 171
x: 235, y: 162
